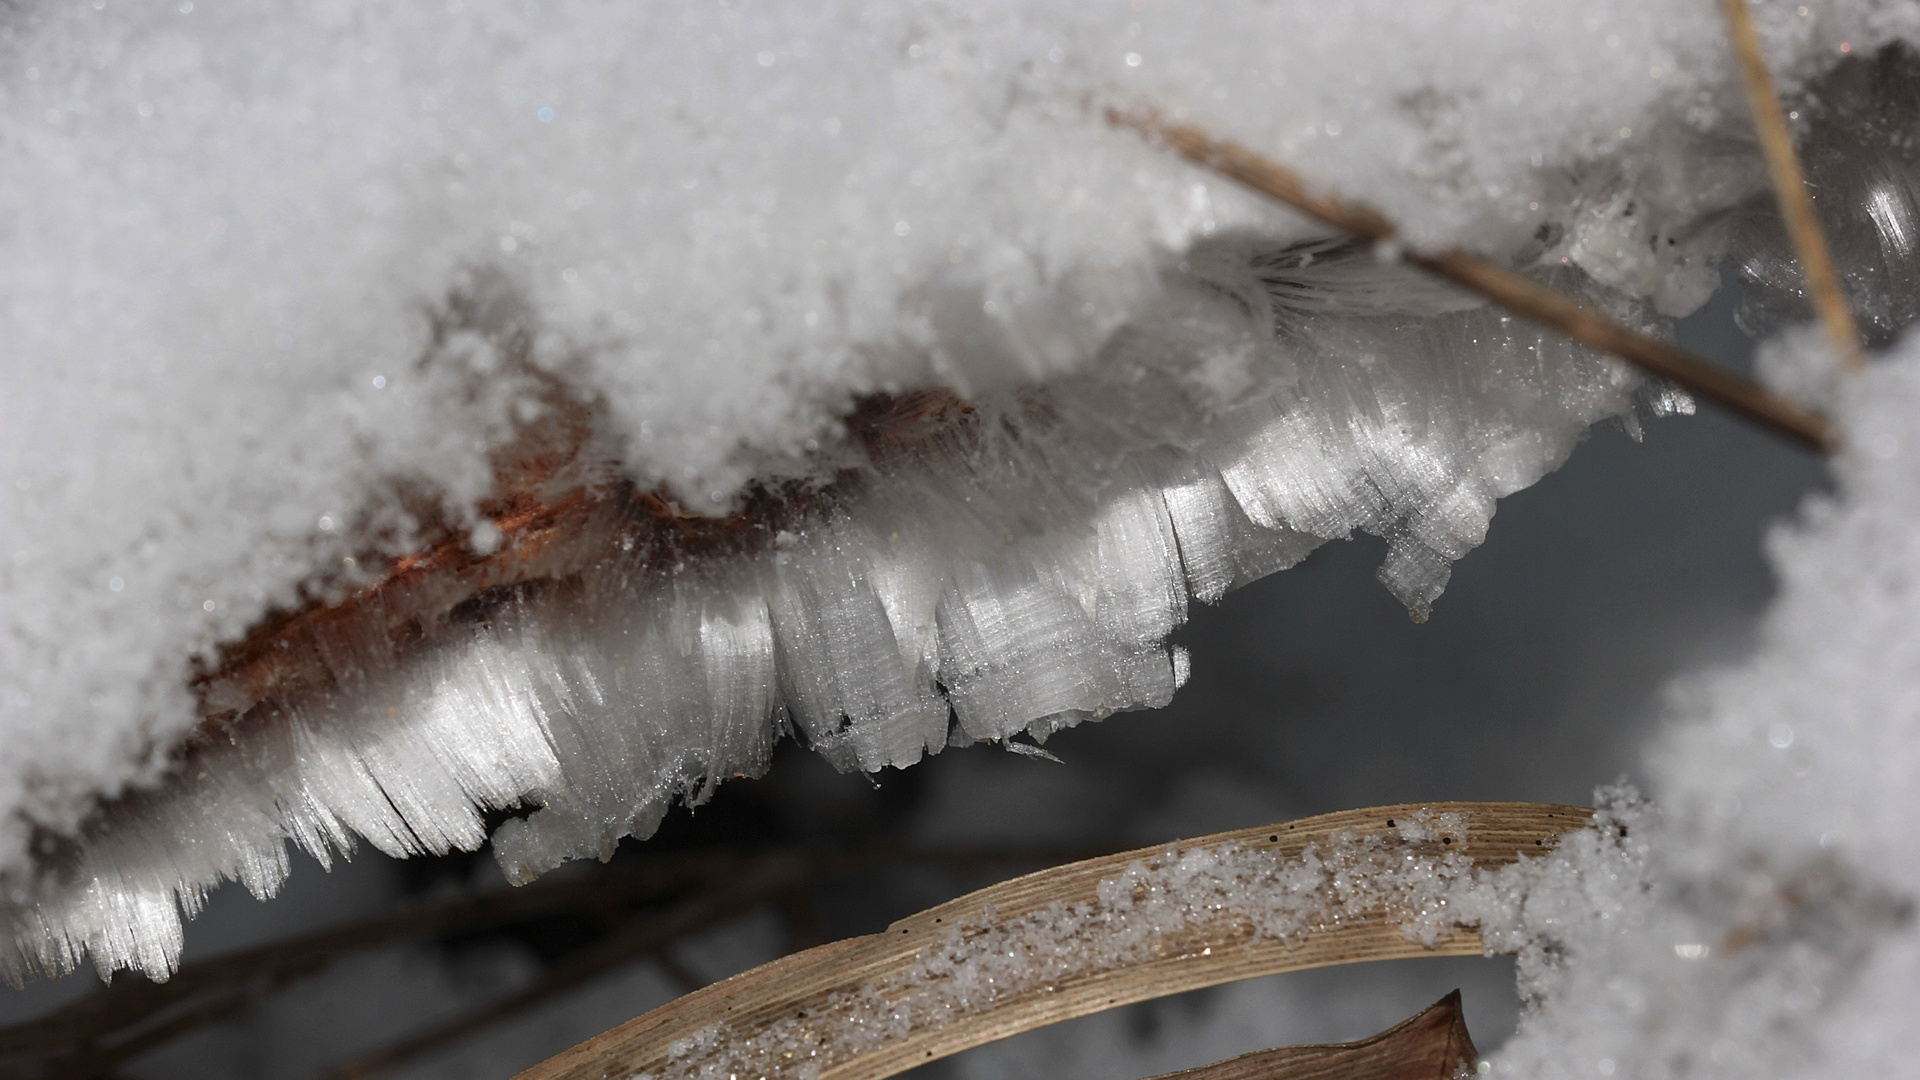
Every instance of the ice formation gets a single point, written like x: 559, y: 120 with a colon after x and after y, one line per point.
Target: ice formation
x: 1868, y: 162
x: 1758, y: 922
x: 293, y: 290
x: 1017, y: 570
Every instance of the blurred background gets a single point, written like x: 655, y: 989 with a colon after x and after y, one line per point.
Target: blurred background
x: 1536, y: 678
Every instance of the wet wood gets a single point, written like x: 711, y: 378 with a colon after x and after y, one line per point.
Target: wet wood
x: 561, y: 507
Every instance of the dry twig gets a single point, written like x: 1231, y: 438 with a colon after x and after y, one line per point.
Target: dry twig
x: 731, y: 898
x: 1790, y: 189
x: 118, y: 1011
x: 1516, y: 292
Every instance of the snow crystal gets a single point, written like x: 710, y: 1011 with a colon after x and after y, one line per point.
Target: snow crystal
x: 285, y: 283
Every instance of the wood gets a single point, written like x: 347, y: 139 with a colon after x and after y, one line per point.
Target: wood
x: 1517, y: 293
x: 803, y: 985
x: 1434, y: 1045
x: 1790, y: 189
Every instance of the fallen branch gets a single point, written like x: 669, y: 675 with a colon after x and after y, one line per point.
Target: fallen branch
x: 758, y: 882
x: 252, y: 972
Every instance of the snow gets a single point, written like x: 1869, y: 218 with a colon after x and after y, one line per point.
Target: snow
x: 240, y: 240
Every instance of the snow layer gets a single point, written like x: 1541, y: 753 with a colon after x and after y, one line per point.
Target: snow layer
x: 229, y: 229
x: 1764, y: 924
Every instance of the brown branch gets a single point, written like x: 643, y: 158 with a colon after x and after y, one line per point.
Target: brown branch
x: 1790, y: 188
x: 98, y: 1064
x: 1434, y: 1045
x: 1513, y: 291
x: 785, y: 1001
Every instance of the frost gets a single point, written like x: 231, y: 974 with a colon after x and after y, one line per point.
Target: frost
x: 1867, y: 164
x: 1801, y: 363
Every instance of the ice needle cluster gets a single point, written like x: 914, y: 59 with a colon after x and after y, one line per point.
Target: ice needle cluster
x: 287, y: 284
x: 1017, y: 572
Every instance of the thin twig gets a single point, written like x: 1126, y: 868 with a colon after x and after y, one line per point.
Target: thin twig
x: 1433, y: 1045
x: 99, y: 1063
x: 1514, y: 291
x: 773, y: 1006
x: 1790, y: 189
x: 130, y: 1001
x: 131, y: 1016
x: 781, y: 877
x: 760, y: 881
